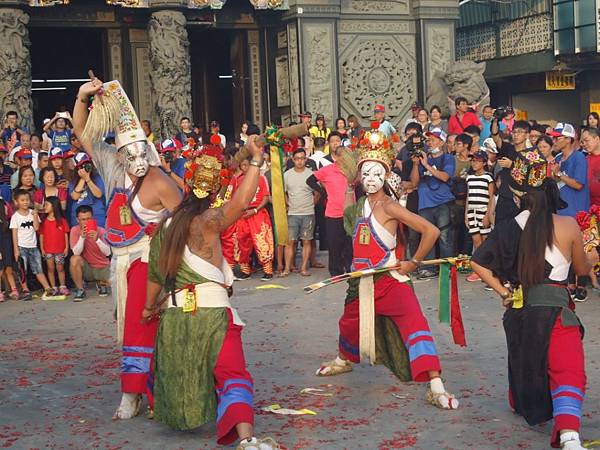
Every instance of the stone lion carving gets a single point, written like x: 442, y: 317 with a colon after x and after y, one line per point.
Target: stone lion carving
x: 15, y: 66
x: 462, y: 79
x: 171, y: 70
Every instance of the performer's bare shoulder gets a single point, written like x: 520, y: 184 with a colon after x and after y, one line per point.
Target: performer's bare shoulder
x: 204, y: 239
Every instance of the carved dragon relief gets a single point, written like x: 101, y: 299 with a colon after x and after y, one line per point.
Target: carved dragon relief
x: 171, y: 71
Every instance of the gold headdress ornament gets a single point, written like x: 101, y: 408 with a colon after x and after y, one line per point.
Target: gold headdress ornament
x: 203, y: 169
x: 374, y: 145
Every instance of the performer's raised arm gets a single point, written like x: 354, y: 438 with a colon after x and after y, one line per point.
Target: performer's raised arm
x: 221, y: 218
x: 80, y: 110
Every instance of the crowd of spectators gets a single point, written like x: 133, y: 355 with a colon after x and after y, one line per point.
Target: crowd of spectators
x: 454, y: 172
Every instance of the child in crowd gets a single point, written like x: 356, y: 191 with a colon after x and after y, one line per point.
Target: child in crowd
x: 57, y: 162
x: 24, y: 223
x: 6, y: 251
x: 480, y: 197
x: 54, y: 242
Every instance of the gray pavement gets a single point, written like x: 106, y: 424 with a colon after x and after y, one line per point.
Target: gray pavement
x: 59, y: 381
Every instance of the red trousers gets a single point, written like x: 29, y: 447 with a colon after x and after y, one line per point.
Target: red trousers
x: 255, y: 233
x: 228, y: 244
x: 138, y: 338
x: 235, y: 389
x: 399, y: 302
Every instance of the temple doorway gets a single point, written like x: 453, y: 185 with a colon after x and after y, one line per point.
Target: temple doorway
x: 60, y: 60
x: 220, y: 80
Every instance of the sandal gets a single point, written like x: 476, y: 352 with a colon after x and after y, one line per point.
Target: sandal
x: 317, y: 265
x: 332, y: 368
x: 435, y: 400
x: 282, y: 274
x: 258, y: 444
x: 305, y: 273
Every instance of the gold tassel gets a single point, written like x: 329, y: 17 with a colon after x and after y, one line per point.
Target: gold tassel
x: 103, y: 117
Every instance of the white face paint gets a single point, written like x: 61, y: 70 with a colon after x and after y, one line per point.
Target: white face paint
x: 372, y: 176
x: 136, y: 160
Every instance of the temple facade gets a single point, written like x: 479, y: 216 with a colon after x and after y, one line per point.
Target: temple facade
x: 261, y: 60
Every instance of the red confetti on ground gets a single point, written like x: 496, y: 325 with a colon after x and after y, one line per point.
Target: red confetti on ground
x: 401, y: 440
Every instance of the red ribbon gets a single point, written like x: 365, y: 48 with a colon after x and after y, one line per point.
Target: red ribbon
x: 456, y: 322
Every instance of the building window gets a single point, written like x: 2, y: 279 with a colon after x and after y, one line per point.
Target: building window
x: 574, y: 26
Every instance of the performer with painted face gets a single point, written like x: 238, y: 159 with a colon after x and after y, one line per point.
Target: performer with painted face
x: 382, y: 318
x: 546, y: 367
x: 140, y: 195
x: 200, y: 371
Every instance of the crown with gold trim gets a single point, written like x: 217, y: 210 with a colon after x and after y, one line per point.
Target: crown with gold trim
x: 203, y: 169
x: 373, y: 145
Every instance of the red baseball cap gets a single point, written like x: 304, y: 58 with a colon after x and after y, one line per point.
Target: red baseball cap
x: 24, y: 153
x: 379, y: 108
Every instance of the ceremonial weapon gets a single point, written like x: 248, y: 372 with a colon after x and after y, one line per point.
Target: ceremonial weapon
x: 367, y: 272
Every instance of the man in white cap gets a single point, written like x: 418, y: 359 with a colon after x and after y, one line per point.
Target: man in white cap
x: 140, y: 195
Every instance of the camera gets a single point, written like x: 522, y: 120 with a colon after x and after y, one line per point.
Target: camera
x: 503, y: 111
x: 416, y: 145
x: 87, y: 167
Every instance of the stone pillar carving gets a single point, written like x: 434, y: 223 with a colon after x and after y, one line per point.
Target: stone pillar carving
x: 15, y: 65
x: 142, y: 87
x: 294, y: 70
x: 171, y: 75
x: 436, y: 21
x: 255, y: 77
x: 319, y: 57
x: 114, y: 54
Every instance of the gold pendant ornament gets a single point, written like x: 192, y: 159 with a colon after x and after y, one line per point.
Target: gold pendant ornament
x: 189, y: 300
x: 125, y: 215
x: 364, y: 238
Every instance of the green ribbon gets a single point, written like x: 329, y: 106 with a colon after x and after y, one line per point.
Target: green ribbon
x: 444, y: 283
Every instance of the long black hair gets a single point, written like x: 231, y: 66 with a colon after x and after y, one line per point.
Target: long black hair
x: 537, y: 235
x: 56, y: 208
x: 171, y: 255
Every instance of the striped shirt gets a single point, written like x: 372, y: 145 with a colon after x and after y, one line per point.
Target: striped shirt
x: 478, y: 195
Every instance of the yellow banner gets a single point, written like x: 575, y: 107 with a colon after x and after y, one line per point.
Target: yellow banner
x: 278, y: 197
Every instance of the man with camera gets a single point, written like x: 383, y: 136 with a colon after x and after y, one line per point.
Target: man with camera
x: 508, y: 152
x: 169, y: 160
x: 432, y: 173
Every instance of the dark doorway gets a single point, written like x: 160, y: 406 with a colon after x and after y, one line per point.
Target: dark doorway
x: 219, y: 79
x: 57, y: 56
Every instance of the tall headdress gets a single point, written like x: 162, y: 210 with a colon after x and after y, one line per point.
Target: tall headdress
x: 203, y: 169
x: 112, y: 111
x: 373, y: 145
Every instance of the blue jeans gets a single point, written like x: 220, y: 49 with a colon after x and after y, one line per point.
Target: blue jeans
x: 440, y: 217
